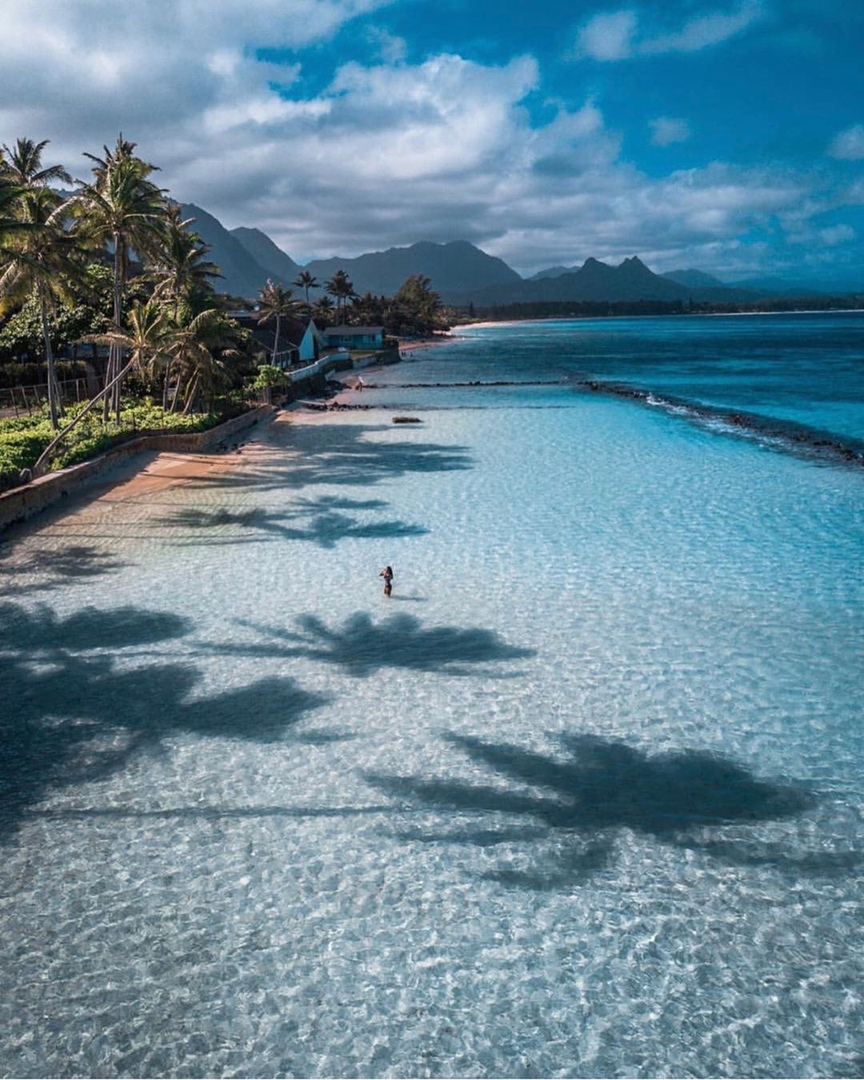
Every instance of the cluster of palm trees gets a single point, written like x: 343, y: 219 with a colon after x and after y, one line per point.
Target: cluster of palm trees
x: 276, y: 303
x: 175, y: 337
x: 415, y: 309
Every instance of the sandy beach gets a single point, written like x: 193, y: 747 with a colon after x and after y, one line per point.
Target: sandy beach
x: 147, y: 475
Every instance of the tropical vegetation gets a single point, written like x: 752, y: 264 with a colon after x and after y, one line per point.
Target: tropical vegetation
x: 105, y: 287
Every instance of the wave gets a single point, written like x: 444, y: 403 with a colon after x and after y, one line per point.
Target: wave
x: 788, y: 436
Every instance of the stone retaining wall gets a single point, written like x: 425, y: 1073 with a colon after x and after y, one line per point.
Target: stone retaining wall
x: 23, y: 502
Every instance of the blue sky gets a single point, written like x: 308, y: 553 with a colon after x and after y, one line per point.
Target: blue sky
x: 725, y: 135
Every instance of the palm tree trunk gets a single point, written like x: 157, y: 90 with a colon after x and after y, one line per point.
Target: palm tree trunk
x: 276, y: 338
x: 166, y: 385
x: 51, y: 372
x: 115, y: 352
x: 191, y: 394
x: 39, y: 467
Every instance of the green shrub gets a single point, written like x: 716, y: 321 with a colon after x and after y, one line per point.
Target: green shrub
x: 23, y: 438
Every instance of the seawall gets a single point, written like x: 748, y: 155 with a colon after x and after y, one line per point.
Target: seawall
x: 23, y: 502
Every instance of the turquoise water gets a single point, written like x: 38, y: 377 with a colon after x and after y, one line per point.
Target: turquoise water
x: 583, y: 798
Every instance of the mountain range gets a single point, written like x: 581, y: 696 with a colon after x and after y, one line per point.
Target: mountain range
x: 462, y: 274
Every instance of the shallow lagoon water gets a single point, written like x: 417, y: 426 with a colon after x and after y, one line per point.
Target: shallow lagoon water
x: 582, y: 799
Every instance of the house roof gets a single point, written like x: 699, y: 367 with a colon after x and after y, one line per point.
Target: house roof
x: 353, y: 331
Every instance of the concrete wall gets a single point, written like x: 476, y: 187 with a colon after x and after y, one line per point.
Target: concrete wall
x: 23, y: 502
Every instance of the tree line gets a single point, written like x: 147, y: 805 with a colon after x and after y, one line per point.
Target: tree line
x: 585, y: 309
x: 108, y: 263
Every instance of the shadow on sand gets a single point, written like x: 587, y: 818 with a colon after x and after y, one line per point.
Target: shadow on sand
x: 597, y: 787
x: 337, y: 454
x: 71, y: 714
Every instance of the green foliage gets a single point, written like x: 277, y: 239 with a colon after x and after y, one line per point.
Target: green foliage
x: 33, y: 373
x: 268, y: 376
x: 23, y: 439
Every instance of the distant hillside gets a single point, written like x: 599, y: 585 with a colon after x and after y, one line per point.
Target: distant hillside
x: 452, y: 268
x: 463, y: 274
x: 242, y: 275
x: 772, y: 286
x: 694, y: 279
x: 552, y: 272
x: 279, y: 266
x: 594, y: 280
x: 248, y: 257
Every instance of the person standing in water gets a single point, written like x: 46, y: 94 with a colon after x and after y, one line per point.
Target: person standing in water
x: 387, y: 574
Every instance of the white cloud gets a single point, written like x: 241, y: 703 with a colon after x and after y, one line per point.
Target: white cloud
x: 384, y: 153
x: 837, y: 234
x: 706, y: 30
x: 388, y: 48
x: 616, y: 35
x: 848, y: 145
x: 665, y: 131
x: 607, y: 36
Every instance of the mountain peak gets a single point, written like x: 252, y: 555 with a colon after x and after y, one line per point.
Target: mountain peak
x: 279, y: 266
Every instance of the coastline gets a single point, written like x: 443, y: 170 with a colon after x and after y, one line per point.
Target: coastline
x: 135, y: 473
x: 270, y: 729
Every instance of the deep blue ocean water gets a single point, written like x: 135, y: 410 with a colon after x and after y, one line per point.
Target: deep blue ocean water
x: 583, y: 798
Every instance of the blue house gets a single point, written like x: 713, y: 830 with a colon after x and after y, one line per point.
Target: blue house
x: 353, y: 337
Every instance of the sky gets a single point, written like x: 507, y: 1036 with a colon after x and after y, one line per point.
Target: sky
x: 721, y: 135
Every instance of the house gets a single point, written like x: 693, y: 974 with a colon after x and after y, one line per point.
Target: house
x: 310, y: 343
x: 291, y: 330
x: 353, y: 337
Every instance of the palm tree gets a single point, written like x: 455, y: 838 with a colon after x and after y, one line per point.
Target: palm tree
x: 340, y: 287
x: 180, y: 266
x: 322, y: 309
x: 148, y: 338
x: 182, y: 274
x: 45, y: 262
x: 306, y: 281
x: 276, y: 304
x: 124, y: 209
x: 22, y: 164
x: 201, y: 349
x: 42, y: 256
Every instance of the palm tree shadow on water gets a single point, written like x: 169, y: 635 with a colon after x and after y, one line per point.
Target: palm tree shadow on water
x: 45, y: 568
x: 324, y: 526
x: 361, y: 646
x: 74, y: 712
x: 338, y: 455
x: 581, y: 799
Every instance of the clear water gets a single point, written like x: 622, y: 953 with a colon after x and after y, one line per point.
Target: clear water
x: 583, y: 798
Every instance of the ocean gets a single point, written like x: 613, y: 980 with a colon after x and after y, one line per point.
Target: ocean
x: 582, y: 798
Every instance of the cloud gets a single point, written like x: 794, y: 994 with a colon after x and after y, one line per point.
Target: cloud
x: 848, y: 145
x: 837, y: 234
x: 360, y: 156
x: 706, y: 30
x: 387, y: 47
x: 665, y: 131
x: 608, y: 36
x: 615, y: 35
